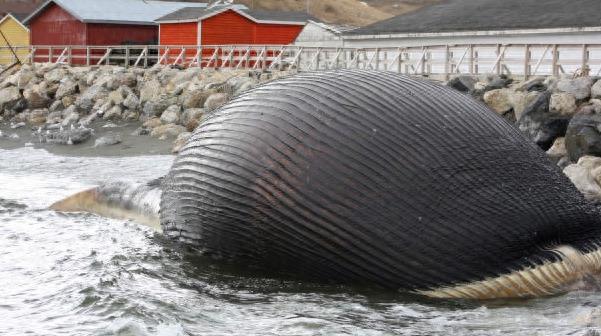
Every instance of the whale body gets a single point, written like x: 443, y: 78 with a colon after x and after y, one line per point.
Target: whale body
x: 366, y: 177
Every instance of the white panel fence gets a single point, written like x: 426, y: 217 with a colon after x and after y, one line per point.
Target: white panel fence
x: 439, y: 61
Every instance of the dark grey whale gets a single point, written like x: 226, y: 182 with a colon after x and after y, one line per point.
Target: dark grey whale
x: 373, y: 178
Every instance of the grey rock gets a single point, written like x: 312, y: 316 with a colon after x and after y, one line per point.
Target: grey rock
x: 66, y: 87
x: 36, y: 96
x: 540, y: 124
x: 583, y: 135
x: 131, y: 102
x: 596, y: 89
x: 9, y: 97
x: 108, y: 140
x: 68, y: 137
x: 114, y: 113
x: 563, y: 103
x: 171, y: 115
x: 579, y: 87
x: 215, y: 100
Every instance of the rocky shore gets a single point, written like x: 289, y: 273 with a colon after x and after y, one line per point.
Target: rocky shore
x: 64, y: 105
x: 105, y: 106
x: 562, y: 115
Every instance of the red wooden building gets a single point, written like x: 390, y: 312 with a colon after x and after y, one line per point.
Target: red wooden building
x: 230, y: 25
x: 99, y: 22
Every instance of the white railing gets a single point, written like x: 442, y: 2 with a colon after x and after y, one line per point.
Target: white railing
x: 516, y: 59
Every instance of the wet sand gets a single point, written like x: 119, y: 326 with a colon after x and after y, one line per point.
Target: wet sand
x: 131, y: 145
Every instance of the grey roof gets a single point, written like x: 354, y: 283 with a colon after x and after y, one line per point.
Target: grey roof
x: 477, y: 15
x: 20, y: 16
x: 117, y: 11
x: 189, y: 13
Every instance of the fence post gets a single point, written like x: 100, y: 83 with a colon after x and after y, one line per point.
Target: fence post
x: 472, y: 59
x: 70, y: 55
x: 584, y: 66
x: 50, y: 55
x: 526, y: 61
x: 127, y: 50
x: 554, y: 67
x: 88, y: 62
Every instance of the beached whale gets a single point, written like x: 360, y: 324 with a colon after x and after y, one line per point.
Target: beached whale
x: 370, y: 177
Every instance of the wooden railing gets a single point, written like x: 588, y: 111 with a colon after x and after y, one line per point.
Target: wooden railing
x: 517, y: 60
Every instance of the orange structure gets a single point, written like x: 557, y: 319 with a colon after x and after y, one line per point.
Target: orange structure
x: 229, y: 25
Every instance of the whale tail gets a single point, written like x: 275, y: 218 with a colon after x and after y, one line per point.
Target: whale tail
x: 119, y: 200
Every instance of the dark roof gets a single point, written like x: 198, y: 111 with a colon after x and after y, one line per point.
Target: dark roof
x: 477, y: 15
x: 20, y: 16
x: 263, y: 15
x: 190, y: 13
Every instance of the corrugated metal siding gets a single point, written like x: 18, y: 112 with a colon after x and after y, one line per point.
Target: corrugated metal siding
x: 118, y: 34
x: 227, y: 28
x: 57, y: 27
x: 179, y: 33
x: 276, y: 33
x: 16, y: 35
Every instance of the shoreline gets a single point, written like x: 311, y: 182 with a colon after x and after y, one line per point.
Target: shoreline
x: 129, y: 145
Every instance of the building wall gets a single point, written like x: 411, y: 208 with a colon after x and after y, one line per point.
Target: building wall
x: 185, y: 33
x: 276, y: 33
x: 549, y: 38
x: 55, y: 26
x: 17, y: 36
x: 119, y: 34
x: 227, y: 28
x: 313, y: 35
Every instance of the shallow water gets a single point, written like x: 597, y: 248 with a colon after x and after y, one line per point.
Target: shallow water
x: 80, y: 274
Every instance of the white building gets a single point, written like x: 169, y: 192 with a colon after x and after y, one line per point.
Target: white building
x: 487, y: 22
x: 536, y: 28
x: 319, y: 34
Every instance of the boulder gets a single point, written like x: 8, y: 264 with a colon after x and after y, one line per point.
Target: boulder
x: 127, y: 79
x: 37, y: 116
x: 68, y: 101
x: 498, y: 100
x: 56, y: 105
x: 579, y: 87
x: 9, y: 97
x: 117, y: 97
x: 583, y: 135
x: 55, y: 75
x: 171, y: 115
x: 152, y: 123
x: 130, y: 115
x: 582, y: 178
x: 462, y: 83
x: 558, y: 150
x: 131, y: 102
x: 167, y: 131
x: 66, y: 87
x: 215, y: 100
x: 114, y: 113
x: 155, y: 108
x: 181, y: 140
x: 532, y: 84
x: 496, y: 82
x: 194, y: 98
x: 68, y: 137
x: 519, y: 101
x: 541, y: 125
x: 191, y: 114
x: 70, y: 118
x: 36, y: 96
x: 109, y: 139
x: 596, y: 89
x: 563, y: 103
x: 90, y: 96
x: 150, y: 90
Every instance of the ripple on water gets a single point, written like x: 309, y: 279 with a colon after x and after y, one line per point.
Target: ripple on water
x: 78, y: 274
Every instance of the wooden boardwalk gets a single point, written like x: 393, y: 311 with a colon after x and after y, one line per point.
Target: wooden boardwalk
x: 435, y: 61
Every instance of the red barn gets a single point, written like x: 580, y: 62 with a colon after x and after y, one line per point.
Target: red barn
x: 99, y: 22
x: 230, y: 25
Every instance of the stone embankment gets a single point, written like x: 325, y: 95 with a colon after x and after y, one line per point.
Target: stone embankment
x: 62, y: 104
x: 561, y: 115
